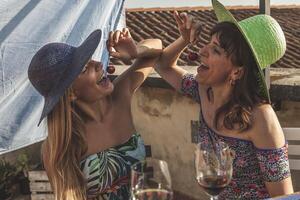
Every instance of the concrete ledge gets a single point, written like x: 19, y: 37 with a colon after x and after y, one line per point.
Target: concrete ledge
x: 285, y: 83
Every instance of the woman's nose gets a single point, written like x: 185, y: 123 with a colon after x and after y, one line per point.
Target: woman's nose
x: 203, y: 51
x: 98, y: 66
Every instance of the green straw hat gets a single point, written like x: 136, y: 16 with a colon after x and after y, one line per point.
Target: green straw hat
x: 264, y: 36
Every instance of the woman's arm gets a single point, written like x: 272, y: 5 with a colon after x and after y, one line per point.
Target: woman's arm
x: 166, y: 66
x: 268, y: 137
x: 279, y: 188
x: 145, y: 53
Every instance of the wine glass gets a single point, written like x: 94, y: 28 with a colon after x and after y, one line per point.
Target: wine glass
x: 151, y: 180
x: 213, y: 167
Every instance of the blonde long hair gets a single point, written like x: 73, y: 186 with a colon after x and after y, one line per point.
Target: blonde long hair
x: 63, y: 149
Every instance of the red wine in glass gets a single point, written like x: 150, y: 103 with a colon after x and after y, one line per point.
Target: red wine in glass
x: 213, y: 185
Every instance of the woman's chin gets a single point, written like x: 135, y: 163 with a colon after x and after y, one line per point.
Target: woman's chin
x: 107, y: 90
x: 199, y: 79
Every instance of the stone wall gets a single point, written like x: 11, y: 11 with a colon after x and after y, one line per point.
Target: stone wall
x: 163, y: 118
x: 289, y: 114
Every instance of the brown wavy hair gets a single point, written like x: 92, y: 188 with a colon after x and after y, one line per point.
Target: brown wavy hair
x: 238, y: 110
x: 63, y: 149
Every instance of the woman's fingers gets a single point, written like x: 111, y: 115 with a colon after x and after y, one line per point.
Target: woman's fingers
x: 195, y: 32
x: 108, y: 46
x: 184, y: 20
x: 183, y: 17
x: 111, y: 38
x: 178, y: 19
x: 189, y: 22
x: 125, y: 32
x: 115, y: 54
x: 116, y: 36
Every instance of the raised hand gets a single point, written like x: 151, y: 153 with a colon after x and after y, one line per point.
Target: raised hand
x: 121, y: 45
x: 188, y: 27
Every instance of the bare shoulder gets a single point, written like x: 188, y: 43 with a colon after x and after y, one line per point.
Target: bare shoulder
x: 266, y: 131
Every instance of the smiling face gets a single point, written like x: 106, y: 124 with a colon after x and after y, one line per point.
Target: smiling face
x: 91, y: 84
x: 216, y: 65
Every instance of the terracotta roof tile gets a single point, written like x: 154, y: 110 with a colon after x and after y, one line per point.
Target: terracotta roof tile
x: 160, y: 23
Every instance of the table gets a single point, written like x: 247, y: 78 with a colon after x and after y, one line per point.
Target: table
x: 294, y: 196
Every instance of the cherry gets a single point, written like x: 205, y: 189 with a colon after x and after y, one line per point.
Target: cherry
x: 192, y: 56
x: 111, y: 69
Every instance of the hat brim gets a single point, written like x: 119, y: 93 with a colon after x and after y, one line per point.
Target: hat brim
x: 223, y: 15
x: 81, y: 56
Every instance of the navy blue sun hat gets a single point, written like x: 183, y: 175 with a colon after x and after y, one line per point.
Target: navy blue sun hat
x: 56, y: 65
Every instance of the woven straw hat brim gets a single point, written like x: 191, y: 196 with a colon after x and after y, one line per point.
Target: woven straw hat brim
x: 223, y: 15
x: 81, y: 56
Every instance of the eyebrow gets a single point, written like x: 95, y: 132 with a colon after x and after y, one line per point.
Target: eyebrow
x: 217, y: 44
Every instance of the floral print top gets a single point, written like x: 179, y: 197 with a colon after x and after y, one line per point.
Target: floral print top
x: 252, y: 166
x: 108, y: 172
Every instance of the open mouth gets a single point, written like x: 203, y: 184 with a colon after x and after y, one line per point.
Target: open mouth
x: 102, y: 78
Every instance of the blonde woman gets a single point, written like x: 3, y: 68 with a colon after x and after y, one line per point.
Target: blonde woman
x: 92, y: 141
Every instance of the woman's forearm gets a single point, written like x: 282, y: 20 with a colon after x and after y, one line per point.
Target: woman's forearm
x: 147, y: 52
x: 149, y: 48
x: 171, y: 53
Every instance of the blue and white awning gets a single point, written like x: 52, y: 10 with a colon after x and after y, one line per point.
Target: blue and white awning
x: 25, y: 26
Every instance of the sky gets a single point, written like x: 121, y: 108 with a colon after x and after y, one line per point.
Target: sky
x: 193, y: 3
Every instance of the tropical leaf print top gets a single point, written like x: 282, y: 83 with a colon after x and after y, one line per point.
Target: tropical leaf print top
x: 108, y: 172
